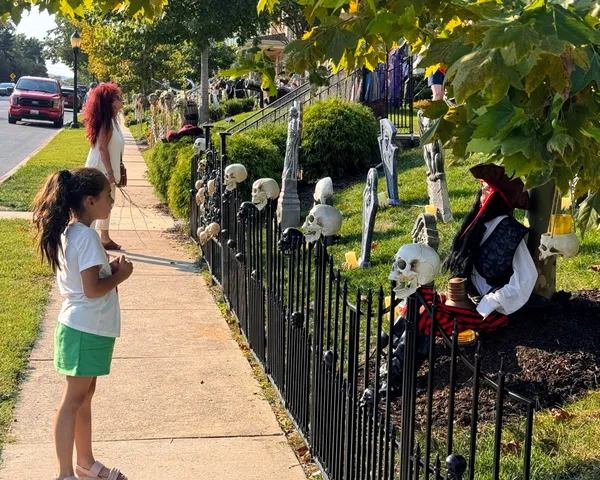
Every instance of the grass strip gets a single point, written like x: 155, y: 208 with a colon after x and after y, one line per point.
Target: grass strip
x: 69, y: 149
x: 25, y: 284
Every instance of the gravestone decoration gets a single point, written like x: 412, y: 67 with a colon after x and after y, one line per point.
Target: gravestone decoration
x: 437, y: 187
x: 288, y: 207
x: 370, y: 207
x: 425, y: 231
x: 324, y: 192
x: 389, y: 153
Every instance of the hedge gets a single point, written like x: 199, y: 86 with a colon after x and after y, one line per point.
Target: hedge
x: 161, y: 164
x: 178, y: 190
x: 276, y: 134
x: 338, y: 138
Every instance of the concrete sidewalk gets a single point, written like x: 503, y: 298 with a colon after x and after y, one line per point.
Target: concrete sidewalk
x: 181, y: 401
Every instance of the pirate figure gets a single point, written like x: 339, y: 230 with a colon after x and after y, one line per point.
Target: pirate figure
x: 490, y: 252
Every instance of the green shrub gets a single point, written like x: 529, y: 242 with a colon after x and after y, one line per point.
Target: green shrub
x: 338, y: 138
x: 216, y: 113
x: 276, y: 134
x: 127, y: 109
x: 235, y: 106
x: 260, y: 157
x: 130, y: 119
x: 178, y: 193
x: 161, y: 163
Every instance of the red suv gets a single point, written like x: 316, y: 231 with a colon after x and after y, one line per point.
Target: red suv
x: 37, y: 98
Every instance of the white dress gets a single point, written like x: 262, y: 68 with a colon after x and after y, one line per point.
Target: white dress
x: 116, y: 146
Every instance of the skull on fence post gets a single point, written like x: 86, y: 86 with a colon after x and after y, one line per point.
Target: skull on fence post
x: 211, y: 187
x: 263, y: 190
x: 199, y: 183
x: 414, y: 264
x: 199, y: 146
x: 234, y: 174
x: 200, y: 196
x: 323, y: 220
x: 566, y: 245
x: 324, y: 191
x: 213, y: 229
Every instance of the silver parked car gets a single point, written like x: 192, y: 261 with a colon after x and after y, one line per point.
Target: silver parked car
x: 6, y: 89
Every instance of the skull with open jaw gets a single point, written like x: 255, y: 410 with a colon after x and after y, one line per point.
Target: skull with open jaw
x: 414, y: 264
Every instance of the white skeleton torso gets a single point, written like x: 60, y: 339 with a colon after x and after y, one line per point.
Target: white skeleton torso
x: 511, y: 297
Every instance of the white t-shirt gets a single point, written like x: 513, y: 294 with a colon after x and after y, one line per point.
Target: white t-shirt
x: 83, y: 249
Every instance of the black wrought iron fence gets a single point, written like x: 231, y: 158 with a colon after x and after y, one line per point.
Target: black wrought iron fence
x: 329, y: 352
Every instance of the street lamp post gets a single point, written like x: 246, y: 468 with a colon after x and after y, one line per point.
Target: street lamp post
x: 75, y: 43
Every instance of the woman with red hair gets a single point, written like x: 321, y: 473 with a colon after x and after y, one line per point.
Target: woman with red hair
x: 107, y: 143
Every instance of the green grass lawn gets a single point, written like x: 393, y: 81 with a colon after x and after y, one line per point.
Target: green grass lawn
x: 393, y: 225
x: 24, y: 284
x: 69, y: 149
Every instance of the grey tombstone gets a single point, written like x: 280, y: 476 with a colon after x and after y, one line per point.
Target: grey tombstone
x: 425, y: 231
x: 370, y: 207
x: 288, y: 206
x: 389, y: 153
x: 437, y: 187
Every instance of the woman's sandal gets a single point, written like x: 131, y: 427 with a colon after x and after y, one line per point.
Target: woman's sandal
x: 94, y: 473
x: 111, y: 246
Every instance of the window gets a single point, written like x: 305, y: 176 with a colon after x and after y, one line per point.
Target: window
x: 45, y: 86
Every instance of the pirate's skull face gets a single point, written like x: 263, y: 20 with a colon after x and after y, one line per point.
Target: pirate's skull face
x: 553, y: 245
x: 264, y: 189
x: 414, y: 264
x: 234, y: 174
x: 323, y: 220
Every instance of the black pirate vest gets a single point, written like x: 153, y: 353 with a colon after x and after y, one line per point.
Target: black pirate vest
x: 494, y: 258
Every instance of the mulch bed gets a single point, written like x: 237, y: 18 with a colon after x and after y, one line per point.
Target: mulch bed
x: 550, y: 356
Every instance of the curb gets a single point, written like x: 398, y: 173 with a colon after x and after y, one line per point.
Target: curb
x: 12, y: 171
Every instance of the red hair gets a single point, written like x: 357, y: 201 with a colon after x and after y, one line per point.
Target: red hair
x: 98, y: 110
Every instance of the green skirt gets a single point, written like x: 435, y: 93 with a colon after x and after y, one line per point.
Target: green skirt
x: 81, y: 354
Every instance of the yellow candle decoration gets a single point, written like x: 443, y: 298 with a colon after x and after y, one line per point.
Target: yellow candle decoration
x: 561, y: 224
x: 398, y: 309
x: 383, y: 199
x: 430, y: 209
x: 351, y: 261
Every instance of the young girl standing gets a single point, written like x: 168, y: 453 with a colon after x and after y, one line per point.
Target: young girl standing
x: 90, y: 317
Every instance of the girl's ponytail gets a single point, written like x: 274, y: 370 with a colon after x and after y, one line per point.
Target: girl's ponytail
x: 63, y: 193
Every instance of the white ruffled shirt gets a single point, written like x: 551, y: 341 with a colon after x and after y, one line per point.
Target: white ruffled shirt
x: 517, y: 291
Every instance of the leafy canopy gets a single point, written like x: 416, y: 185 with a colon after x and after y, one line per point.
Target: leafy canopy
x: 525, y: 74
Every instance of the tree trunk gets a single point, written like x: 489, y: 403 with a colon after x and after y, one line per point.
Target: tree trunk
x: 542, y: 202
x: 204, y: 87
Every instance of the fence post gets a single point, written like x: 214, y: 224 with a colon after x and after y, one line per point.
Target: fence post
x: 221, y: 173
x: 193, y: 191
x: 456, y: 466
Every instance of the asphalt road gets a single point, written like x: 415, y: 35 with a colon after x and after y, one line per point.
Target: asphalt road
x: 18, y: 141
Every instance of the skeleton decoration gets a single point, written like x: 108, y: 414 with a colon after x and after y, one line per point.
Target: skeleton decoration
x: 414, y: 264
x: 425, y: 231
x: 234, y: 174
x: 389, y: 154
x: 288, y: 207
x: 199, y: 146
x: 153, y: 99
x: 566, y: 245
x: 370, y: 207
x: 263, y: 190
x: 208, y: 233
x: 211, y: 187
x: 200, y: 196
x: 323, y: 220
x: 291, y: 239
x: 181, y: 106
x: 437, y: 186
x: 324, y: 192
x: 199, y: 183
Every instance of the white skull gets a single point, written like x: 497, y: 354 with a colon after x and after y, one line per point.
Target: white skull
x: 264, y: 189
x: 202, y: 209
x: 200, y: 196
x: 199, y: 184
x: 323, y: 220
x: 566, y: 245
x: 210, y: 186
x: 323, y: 190
x: 181, y: 102
x: 213, y: 229
x: 414, y: 264
x: 199, y: 146
x: 203, y: 238
x: 234, y: 174
x: 199, y: 231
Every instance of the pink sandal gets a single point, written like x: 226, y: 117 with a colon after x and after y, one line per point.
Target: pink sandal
x: 94, y: 473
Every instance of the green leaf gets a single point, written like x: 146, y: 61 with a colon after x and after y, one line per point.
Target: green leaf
x: 522, y: 38
x: 518, y: 165
x: 538, y: 178
x: 588, y: 214
x: 592, y: 132
x: 383, y: 22
x: 483, y: 145
x: 559, y: 142
x: 581, y: 78
x: 495, y: 118
x: 436, y: 109
x: 338, y: 41
x: 517, y: 143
